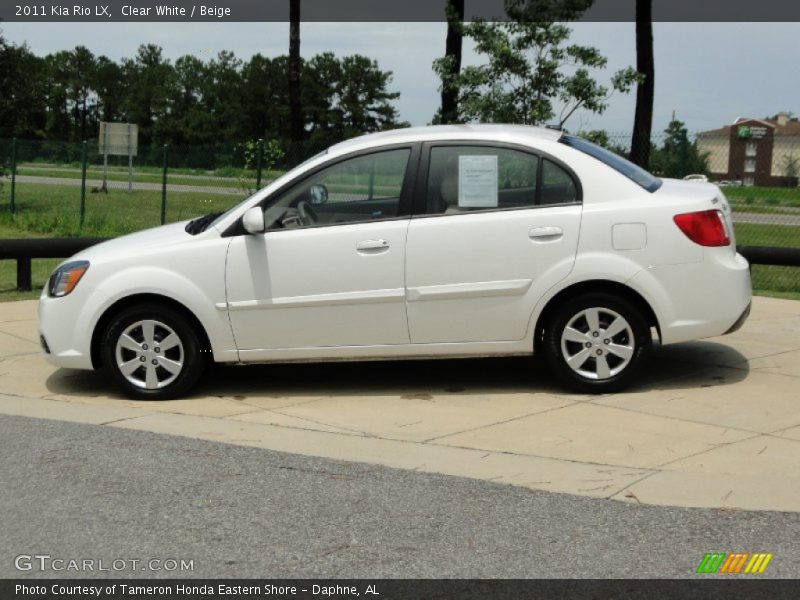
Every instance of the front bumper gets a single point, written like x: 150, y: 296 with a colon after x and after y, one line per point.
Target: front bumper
x: 65, y: 330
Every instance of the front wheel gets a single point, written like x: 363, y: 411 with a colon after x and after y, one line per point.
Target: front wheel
x: 152, y: 352
x: 596, y: 342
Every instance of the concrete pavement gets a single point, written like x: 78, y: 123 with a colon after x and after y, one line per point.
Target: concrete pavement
x: 714, y: 423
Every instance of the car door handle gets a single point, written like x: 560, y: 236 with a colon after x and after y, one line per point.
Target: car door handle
x: 372, y: 246
x: 546, y: 234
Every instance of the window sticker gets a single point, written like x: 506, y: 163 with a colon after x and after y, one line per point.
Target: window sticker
x: 477, y: 181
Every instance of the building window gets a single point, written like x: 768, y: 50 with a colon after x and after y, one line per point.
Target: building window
x: 750, y: 149
x: 749, y: 182
x: 750, y: 165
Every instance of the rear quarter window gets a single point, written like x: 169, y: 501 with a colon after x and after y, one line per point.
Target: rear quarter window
x: 633, y: 172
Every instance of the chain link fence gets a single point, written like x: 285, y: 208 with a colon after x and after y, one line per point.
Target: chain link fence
x: 69, y: 189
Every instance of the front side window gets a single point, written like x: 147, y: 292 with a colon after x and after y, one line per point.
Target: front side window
x: 362, y: 188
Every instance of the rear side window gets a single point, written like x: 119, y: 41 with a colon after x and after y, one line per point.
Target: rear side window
x: 476, y: 178
x: 558, y: 186
x: 633, y: 172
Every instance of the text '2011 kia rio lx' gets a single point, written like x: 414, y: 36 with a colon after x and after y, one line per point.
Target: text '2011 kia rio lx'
x: 453, y: 241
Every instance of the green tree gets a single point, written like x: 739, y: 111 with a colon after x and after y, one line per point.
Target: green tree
x: 365, y: 102
x: 22, y: 92
x: 57, y: 74
x: 223, y: 95
x: 189, y: 122
x: 530, y: 66
x: 82, y: 67
x: 346, y: 97
x: 107, y: 77
x: 265, y: 97
x: 677, y: 156
x: 149, y: 85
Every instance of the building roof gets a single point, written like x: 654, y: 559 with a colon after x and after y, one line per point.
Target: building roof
x: 791, y: 128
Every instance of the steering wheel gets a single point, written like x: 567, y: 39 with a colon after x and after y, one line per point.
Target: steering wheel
x: 307, y: 214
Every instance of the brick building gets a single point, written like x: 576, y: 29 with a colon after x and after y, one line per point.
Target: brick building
x: 754, y: 151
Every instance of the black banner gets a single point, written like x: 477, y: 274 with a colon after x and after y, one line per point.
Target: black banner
x: 375, y: 10
x: 399, y: 589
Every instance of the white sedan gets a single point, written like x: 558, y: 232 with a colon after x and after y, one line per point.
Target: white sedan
x: 470, y: 240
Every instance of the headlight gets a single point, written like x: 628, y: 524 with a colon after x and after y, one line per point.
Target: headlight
x: 66, y: 277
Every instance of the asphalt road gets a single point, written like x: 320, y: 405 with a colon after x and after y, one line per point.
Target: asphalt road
x: 89, y: 492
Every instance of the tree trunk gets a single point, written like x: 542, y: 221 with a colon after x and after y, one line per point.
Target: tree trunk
x: 453, y: 46
x: 643, y: 121
x: 295, y: 109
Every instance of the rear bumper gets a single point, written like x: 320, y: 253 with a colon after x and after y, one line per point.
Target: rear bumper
x: 740, y: 321
x: 698, y: 300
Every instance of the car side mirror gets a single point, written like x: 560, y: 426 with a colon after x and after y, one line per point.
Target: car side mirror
x: 318, y: 194
x: 253, y: 220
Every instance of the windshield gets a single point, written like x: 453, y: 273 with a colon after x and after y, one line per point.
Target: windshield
x: 633, y: 172
x: 233, y: 208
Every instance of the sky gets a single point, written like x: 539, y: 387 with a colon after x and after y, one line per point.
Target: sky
x: 707, y: 73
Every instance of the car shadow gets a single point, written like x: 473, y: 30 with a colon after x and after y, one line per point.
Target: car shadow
x: 681, y: 366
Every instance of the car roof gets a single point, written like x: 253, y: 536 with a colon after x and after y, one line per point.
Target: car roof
x: 494, y: 132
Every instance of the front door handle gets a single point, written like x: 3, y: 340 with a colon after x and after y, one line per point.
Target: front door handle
x: 372, y: 246
x: 546, y: 234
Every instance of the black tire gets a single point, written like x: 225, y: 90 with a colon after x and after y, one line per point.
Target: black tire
x: 190, y: 352
x: 603, y: 370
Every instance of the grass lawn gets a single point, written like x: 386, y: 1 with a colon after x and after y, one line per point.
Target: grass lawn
x: 55, y: 210
x: 744, y: 198
x: 748, y: 234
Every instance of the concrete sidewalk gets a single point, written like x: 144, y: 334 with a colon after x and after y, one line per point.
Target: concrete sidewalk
x: 710, y: 424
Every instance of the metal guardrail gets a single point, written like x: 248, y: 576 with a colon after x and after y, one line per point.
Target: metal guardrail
x: 769, y: 255
x: 23, y: 250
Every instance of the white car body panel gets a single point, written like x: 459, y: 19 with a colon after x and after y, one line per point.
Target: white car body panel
x: 313, y: 287
x: 475, y: 277
x: 469, y: 284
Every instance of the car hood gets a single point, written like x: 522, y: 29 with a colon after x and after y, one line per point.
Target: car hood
x: 134, y: 243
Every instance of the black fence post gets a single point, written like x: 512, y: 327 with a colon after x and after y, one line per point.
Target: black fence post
x: 24, y: 280
x: 83, y: 182
x: 259, y: 162
x: 13, y: 202
x: 164, y: 187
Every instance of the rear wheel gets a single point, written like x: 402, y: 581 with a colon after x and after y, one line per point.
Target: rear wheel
x: 595, y: 343
x: 152, y: 352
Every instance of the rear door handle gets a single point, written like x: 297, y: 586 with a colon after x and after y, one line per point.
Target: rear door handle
x: 372, y: 246
x: 546, y: 234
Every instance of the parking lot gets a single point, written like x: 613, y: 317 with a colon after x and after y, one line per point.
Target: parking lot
x: 711, y: 424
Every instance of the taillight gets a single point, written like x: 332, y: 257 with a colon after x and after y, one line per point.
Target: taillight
x: 706, y: 227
